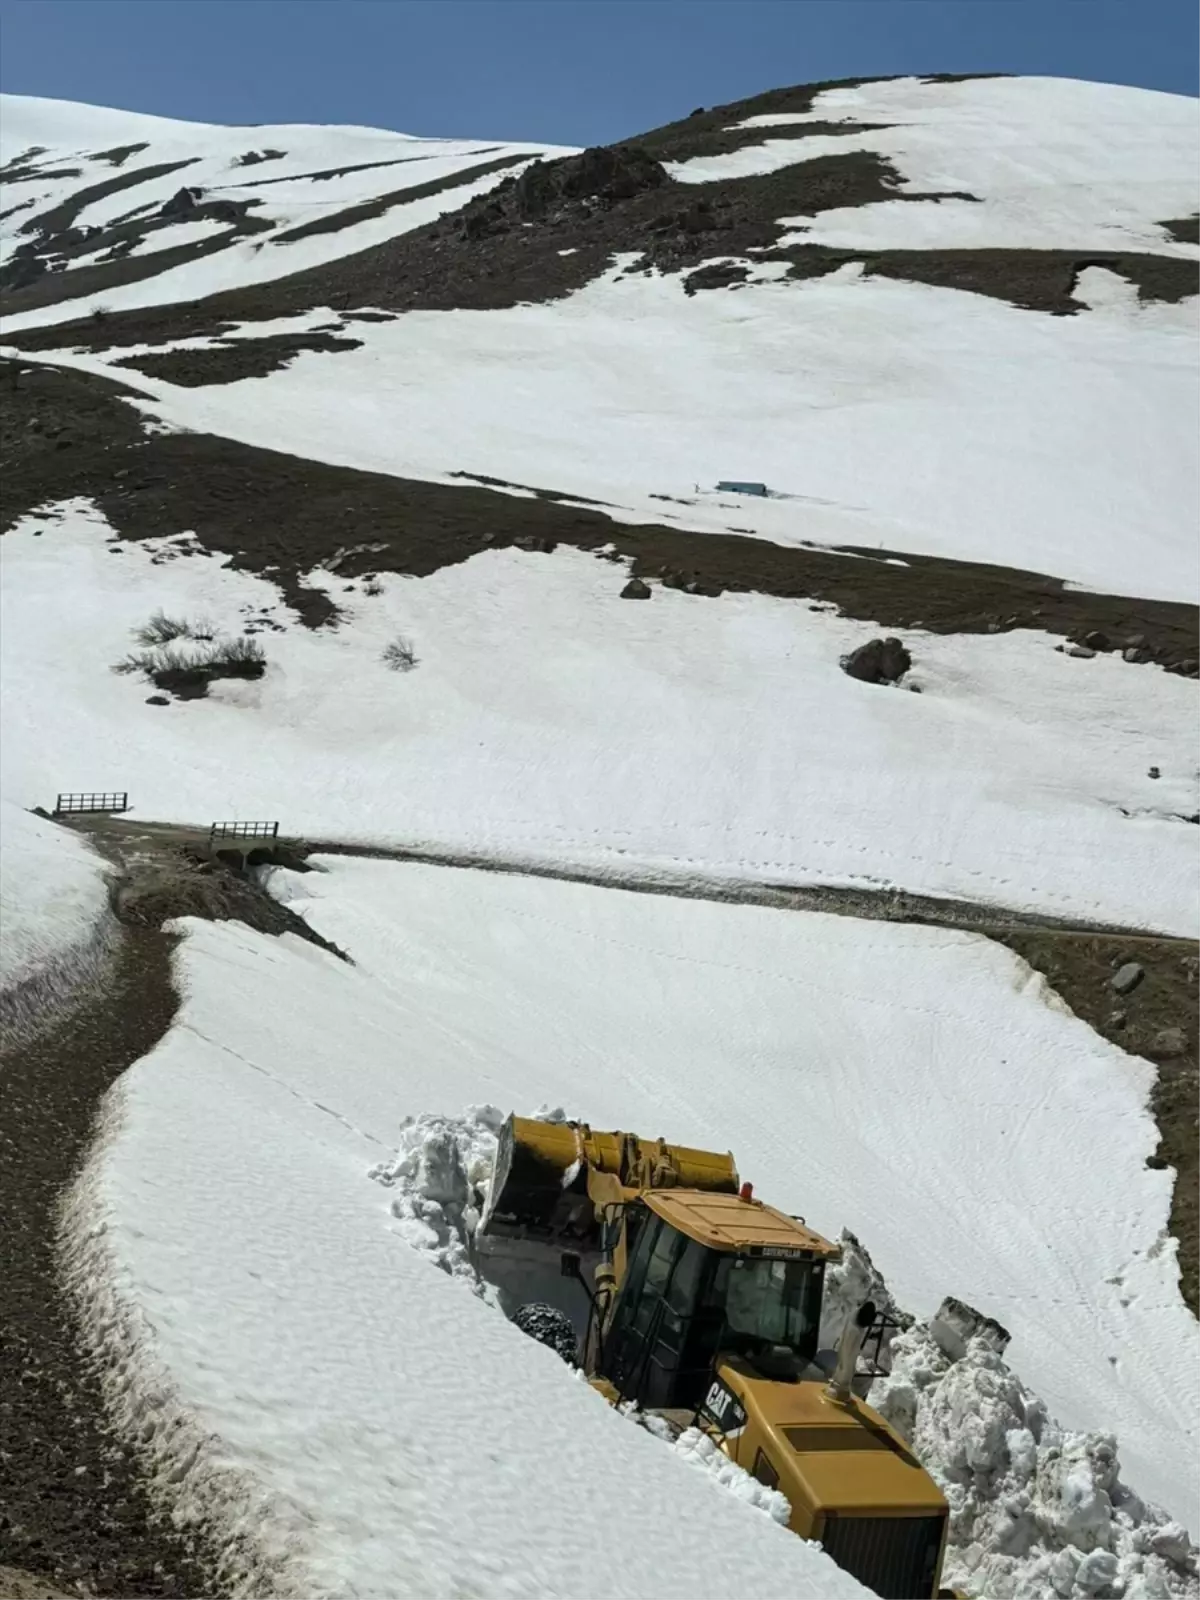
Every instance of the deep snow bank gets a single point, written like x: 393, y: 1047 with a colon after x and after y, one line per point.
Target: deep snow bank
x: 58, y: 930
x: 357, y: 1425
x: 272, y: 1334
x: 918, y: 1085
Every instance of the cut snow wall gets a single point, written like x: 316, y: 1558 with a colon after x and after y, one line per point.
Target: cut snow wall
x: 59, y: 932
x: 1036, y: 1511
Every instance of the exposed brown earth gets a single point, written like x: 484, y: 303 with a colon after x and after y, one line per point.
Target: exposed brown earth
x: 18, y: 1585
x: 1034, y: 280
x: 66, y: 433
x: 367, y: 209
x: 324, y: 173
x: 62, y: 216
x: 119, y: 154
x: 74, y: 1509
x: 40, y: 271
x: 1184, y: 230
x: 234, y: 359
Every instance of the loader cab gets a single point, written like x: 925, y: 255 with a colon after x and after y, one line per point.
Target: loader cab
x: 709, y: 1274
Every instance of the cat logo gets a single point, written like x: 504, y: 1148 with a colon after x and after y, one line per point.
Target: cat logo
x: 723, y: 1410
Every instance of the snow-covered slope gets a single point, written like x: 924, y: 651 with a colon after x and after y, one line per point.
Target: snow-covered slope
x: 883, y: 417
x: 1049, y: 163
x: 57, y: 933
x: 113, y: 167
x: 696, y: 739
x: 905, y: 415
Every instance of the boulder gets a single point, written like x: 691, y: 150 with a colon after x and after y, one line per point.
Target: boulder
x: 20, y: 272
x: 635, y: 589
x: 181, y: 204
x: 1127, y: 977
x: 604, y: 175
x: 877, y: 661
x: 1095, y: 640
x: 1167, y: 1042
x: 1083, y: 651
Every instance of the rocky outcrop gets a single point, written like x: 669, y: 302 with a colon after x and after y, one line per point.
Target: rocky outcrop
x: 878, y: 661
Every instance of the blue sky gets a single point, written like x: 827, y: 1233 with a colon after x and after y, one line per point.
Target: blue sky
x: 560, y: 71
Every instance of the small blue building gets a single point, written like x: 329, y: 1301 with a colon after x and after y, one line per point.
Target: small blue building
x: 733, y: 486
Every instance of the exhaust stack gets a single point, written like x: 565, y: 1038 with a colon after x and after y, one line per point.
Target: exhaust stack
x: 841, y: 1379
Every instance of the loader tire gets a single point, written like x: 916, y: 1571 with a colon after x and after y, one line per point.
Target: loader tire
x: 551, y: 1327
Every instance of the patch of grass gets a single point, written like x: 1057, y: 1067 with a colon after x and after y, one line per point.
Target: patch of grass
x: 239, y: 652
x: 162, y: 629
x: 187, y: 670
x: 399, y: 655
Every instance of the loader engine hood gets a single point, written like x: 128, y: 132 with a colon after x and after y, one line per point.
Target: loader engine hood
x: 850, y: 1479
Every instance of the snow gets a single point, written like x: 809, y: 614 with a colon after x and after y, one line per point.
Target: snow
x: 1034, y: 1509
x: 367, y: 1425
x: 1053, y: 163
x: 699, y: 1451
x: 57, y: 933
x: 890, y: 415
x: 886, y: 414
x: 72, y: 134
x: 697, y: 739
x: 53, y: 893
x: 364, y: 1425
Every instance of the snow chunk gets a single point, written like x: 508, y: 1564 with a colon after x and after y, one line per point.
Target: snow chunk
x: 440, y: 1164
x: 1035, y: 1509
x: 698, y: 1450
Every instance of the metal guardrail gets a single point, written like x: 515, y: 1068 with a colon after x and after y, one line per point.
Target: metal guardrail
x: 243, y: 830
x: 103, y: 800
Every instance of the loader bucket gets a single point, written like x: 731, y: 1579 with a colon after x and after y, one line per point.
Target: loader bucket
x: 540, y: 1180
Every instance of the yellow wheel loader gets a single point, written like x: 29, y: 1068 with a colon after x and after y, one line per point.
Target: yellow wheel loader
x: 697, y: 1302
